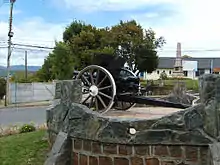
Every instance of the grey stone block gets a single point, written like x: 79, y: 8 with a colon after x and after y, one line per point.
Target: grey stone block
x: 61, y: 151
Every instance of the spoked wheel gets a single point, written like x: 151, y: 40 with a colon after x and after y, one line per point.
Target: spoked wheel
x: 98, y: 87
x: 120, y: 105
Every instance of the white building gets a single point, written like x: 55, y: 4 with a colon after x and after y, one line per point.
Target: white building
x: 166, y: 64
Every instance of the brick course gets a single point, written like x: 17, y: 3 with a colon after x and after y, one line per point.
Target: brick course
x: 86, y: 152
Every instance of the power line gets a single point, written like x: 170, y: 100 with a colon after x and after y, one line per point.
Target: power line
x: 186, y: 50
x: 192, y: 50
x: 32, y: 50
x: 34, y: 46
x: 160, y: 50
x: 43, y: 48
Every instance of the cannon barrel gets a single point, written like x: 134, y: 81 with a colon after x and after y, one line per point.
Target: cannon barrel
x: 150, y: 101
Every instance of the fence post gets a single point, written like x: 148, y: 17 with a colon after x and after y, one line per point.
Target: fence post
x: 32, y: 84
x: 15, y: 93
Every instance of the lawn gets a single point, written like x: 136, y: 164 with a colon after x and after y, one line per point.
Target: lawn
x: 24, y: 149
x: 190, y: 84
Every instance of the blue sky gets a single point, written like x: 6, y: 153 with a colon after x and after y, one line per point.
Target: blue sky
x: 40, y: 22
x: 53, y: 13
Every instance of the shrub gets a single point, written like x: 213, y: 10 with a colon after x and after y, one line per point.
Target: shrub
x: 163, y: 76
x: 2, y: 87
x: 27, y: 128
x: 180, y: 78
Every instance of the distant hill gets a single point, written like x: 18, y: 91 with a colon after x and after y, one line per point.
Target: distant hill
x: 22, y: 68
x: 2, y: 68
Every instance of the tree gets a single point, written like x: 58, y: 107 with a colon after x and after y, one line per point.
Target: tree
x: 186, y: 56
x: 19, y: 77
x: 145, y: 60
x: 81, y: 41
x: 62, y: 62
x: 72, y: 30
x: 45, y: 73
x: 86, y: 42
x: 138, y: 46
x: 58, y: 65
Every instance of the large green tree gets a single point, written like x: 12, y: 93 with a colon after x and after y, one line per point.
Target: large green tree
x: 81, y: 41
x: 137, y: 45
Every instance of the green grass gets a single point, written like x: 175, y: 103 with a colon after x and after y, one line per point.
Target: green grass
x: 24, y: 149
x: 190, y: 84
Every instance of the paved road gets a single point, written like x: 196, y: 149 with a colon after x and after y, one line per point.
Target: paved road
x: 23, y: 115
x: 38, y: 114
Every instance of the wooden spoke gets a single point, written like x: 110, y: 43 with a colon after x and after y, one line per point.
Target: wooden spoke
x: 100, y: 99
x: 105, y: 95
x: 102, y: 81
x: 107, y: 87
x: 97, y: 77
x: 86, y: 99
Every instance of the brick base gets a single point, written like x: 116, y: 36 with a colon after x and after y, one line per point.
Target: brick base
x: 94, y: 153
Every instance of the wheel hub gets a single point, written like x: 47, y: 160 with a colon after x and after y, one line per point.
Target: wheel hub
x: 93, y: 90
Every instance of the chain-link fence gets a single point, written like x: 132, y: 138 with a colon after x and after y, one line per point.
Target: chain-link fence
x: 31, y: 92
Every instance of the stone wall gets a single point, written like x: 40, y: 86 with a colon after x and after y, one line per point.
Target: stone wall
x: 181, y: 138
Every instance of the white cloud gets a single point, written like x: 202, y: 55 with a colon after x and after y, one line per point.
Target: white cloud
x: 194, y: 23
x: 196, y: 27
x: 34, y: 31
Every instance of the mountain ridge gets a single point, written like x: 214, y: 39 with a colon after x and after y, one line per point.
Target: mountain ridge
x: 22, y: 68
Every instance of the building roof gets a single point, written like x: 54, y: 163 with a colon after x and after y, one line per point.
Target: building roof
x: 203, y: 63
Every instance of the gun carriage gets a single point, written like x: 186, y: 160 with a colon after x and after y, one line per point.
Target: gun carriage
x: 107, y: 84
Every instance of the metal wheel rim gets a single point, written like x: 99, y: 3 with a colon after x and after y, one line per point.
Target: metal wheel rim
x: 98, y: 84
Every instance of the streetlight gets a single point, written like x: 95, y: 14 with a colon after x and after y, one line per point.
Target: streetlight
x: 10, y: 35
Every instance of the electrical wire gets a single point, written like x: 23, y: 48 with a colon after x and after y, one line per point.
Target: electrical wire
x: 186, y: 50
x: 158, y: 50
x: 46, y: 48
x: 34, y: 46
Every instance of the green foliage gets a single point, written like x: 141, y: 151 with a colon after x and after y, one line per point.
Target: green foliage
x: 82, y: 41
x: 137, y: 45
x: 19, y: 77
x: 179, y: 78
x: 74, y: 29
x: 58, y: 65
x: 2, y: 87
x: 186, y: 56
x: 27, y: 128
x: 190, y: 84
x: 62, y: 62
x: 163, y: 76
x: 45, y: 73
x: 146, y: 60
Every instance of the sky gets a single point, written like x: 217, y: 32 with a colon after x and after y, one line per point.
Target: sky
x: 193, y: 23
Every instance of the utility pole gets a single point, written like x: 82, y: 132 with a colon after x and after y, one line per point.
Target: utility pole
x: 25, y: 65
x: 10, y: 35
x: 211, y: 66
